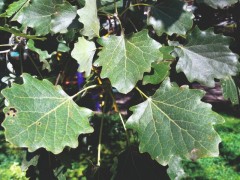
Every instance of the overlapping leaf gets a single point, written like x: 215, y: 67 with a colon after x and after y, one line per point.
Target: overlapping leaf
x: 43, y: 55
x: 170, y: 17
x: 174, y: 122
x: 47, y: 16
x: 89, y: 18
x: 218, y: 3
x: 230, y: 90
x: 40, y: 115
x: 124, y: 59
x: 206, y: 56
x: 14, y: 8
x: 83, y: 52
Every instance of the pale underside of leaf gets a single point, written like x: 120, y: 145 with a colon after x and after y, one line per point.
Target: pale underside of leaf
x: 124, y: 59
x: 206, y: 56
x: 174, y: 122
x: 83, y: 52
x: 218, y: 3
x: 89, y: 18
x: 41, y: 115
x: 230, y: 90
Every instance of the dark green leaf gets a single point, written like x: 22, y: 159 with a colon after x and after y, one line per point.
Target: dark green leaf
x: 40, y: 115
x: 89, y: 18
x: 43, y: 55
x: 161, y: 71
x: 174, y: 122
x: 124, y: 59
x: 206, y: 56
x: 218, y: 3
x: 47, y: 16
x: 83, y: 52
x: 170, y: 17
x: 230, y: 90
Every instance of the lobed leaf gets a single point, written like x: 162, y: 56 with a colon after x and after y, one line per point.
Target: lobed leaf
x: 47, y: 16
x: 206, y: 56
x: 89, y: 18
x: 174, y: 122
x: 83, y: 52
x: 40, y: 115
x: 124, y: 59
x: 170, y: 17
x: 230, y: 90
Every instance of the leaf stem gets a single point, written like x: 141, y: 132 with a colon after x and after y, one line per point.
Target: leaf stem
x: 142, y: 93
x: 124, y: 127
x: 83, y: 90
x: 100, y: 143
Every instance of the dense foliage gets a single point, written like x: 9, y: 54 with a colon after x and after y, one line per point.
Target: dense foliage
x: 83, y: 76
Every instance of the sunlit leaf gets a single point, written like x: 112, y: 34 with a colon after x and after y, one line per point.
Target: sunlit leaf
x: 206, y: 56
x: 83, y: 52
x: 40, y: 115
x: 124, y: 59
x: 174, y: 122
x: 47, y: 16
x: 170, y: 17
x: 89, y: 18
x: 230, y: 90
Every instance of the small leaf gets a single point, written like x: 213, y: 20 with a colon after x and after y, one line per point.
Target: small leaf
x: 230, y: 90
x: 124, y: 59
x: 47, y: 16
x: 174, y: 122
x: 41, y: 115
x: 206, y: 56
x: 218, y: 3
x: 161, y: 71
x: 14, y: 8
x: 43, y: 55
x: 83, y: 52
x: 89, y: 18
x: 170, y: 17
x: 175, y: 169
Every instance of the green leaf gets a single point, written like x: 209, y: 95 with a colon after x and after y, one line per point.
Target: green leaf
x: 1, y: 6
x: 16, y: 32
x: 161, y: 71
x: 43, y: 55
x: 40, y: 115
x: 47, y: 16
x: 175, y: 169
x: 218, y: 3
x: 170, y: 17
x: 174, y: 122
x: 89, y: 18
x: 166, y: 51
x: 14, y: 8
x: 83, y: 52
x: 206, y: 56
x: 124, y: 59
x: 230, y: 90
x: 109, y: 5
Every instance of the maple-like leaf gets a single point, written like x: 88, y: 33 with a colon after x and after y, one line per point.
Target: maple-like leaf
x: 170, y: 17
x: 89, y: 18
x: 206, y: 56
x: 83, y: 52
x: 47, y: 16
x: 40, y: 115
x: 124, y: 59
x: 174, y: 122
x: 230, y: 90
x: 218, y: 3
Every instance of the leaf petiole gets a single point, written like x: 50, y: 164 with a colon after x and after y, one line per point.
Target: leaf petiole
x: 142, y: 93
